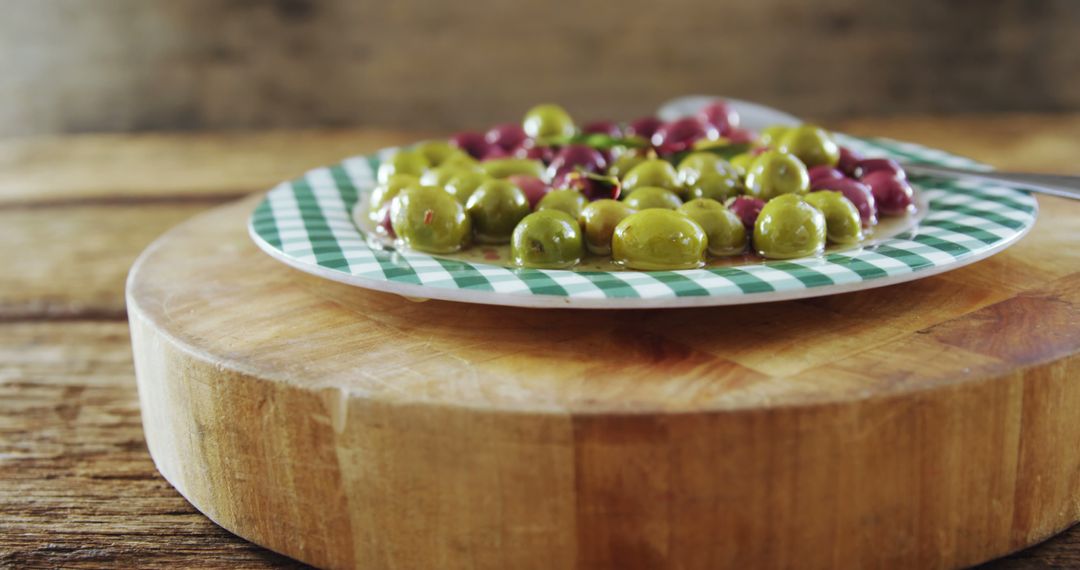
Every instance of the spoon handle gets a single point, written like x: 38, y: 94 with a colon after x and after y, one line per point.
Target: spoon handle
x: 1053, y: 184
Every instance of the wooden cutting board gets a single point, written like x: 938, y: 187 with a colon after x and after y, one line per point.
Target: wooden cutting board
x: 930, y: 424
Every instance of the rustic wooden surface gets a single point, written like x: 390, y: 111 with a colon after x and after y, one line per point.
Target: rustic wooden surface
x: 77, y: 488
x: 157, y: 65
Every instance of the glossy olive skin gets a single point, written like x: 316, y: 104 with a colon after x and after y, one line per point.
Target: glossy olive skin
x: 403, y: 162
x: 842, y: 222
x: 714, y: 186
x: 548, y: 120
x: 426, y: 218
x: 724, y: 229
x: 626, y: 162
x: 772, y: 134
x: 774, y: 173
x: 550, y: 239
x: 463, y: 184
x: 496, y: 207
x: 697, y: 164
x: 383, y: 193
x: 437, y: 152
x: 789, y: 227
x: 652, y: 172
x: 647, y: 197
x: 741, y: 162
x: 812, y: 145
x: 506, y: 167
x: 440, y: 175
x: 598, y: 220
x: 570, y: 201
x: 656, y: 239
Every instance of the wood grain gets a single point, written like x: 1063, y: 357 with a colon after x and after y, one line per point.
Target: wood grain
x: 838, y: 434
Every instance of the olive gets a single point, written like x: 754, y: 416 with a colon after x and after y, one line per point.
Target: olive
x: 548, y: 120
x: 496, y: 207
x: 426, y: 218
x: 532, y: 151
x: 644, y: 127
x: 658, y: 240
x: 812, y: 145
x: 747, y: 209
x: 464, y: 183
x: 534, y: 188
x: 725, y: 231
x: 774, y: 173
x: 402, y: 162
x: 741, y: 162
x: 681, y: 134
x: 565, y: 200
x: 720, y: 115
x: 698, y: 164
x: 788, y: 227
x: 504, y: 167
x: 506, y: 136
x: 437, y: 152
x: 892, y: 194
x: 741, y: 136
x: 576, y: 157
x: 473, y: 143
x: 440, y: 175
x: 842, y: 221
x: 652, y: 172
x: 869, y: 165
x: 624, y: 163
x: 823, y: 172
x: 608, y: 128
x: 549, y: 239
x: 598, y: 220
x: 856, y: 192
x: 772, y: 134
x: 849, y: 160
x: 647, y: 197
x: 383, y: 193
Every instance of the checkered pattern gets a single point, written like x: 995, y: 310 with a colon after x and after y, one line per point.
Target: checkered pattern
x: 307, y: 221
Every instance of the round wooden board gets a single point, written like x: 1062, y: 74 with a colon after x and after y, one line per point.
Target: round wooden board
x: 923, y: 425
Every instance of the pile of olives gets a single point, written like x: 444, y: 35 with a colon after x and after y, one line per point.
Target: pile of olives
x: 652, y: 195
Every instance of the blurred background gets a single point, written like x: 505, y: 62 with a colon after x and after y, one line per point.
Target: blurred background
x: 135, y: 65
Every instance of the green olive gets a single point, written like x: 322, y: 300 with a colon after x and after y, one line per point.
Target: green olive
x: 464, y: 183
x: 726, y: 233
x: 699, y: 164
x: 772, y: 134
x: 570, y: 201
x: 658, y: 240
x: 812, y: 145
x: 652, y: 172
x: 598, y: 220
x: 548, y: 120
x: 403, y: 162
x: 550, y: 239
x: 383, y: 193
x: 440, y: 175
x: 645, y: 197
x: 788, y: 227
x: 842, y: 221
x: 496, y: 207
x: 714, y: 186
x: 741, y: 162
x: 426, y: 218
x: 505, y: 167
x: 438, y: 152
x: 774, y: 173
x: 624, y: 164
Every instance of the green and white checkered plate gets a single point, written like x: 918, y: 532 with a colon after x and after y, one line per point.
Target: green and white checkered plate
x: 307, y: 224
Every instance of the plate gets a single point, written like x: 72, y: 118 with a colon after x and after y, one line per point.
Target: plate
x: 307, y: 224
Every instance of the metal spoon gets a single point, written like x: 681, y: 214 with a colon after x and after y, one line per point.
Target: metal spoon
x: 756, y: 117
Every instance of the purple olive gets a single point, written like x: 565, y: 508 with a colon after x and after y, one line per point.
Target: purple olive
x: 591, y: 188
x: 495, y: 152
x: 855, y: 191
x: 528, y: 149
x: 892, y: 194
x: 576, y: 157
x: 720, y: 115
x: 849, y: 159
x: 506, y: 136
x: 533, y: 188
x: 473, y: 143
x: 644, y: 127
x: 747, y: 209
x: 740, y: 136
x: 868, y: 165
x: 603, y: 128
x: 384, y: 224
x: 681, y: 134
x: 824, y: 172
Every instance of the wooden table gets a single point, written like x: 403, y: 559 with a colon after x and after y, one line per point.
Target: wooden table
x: 77, y: 488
